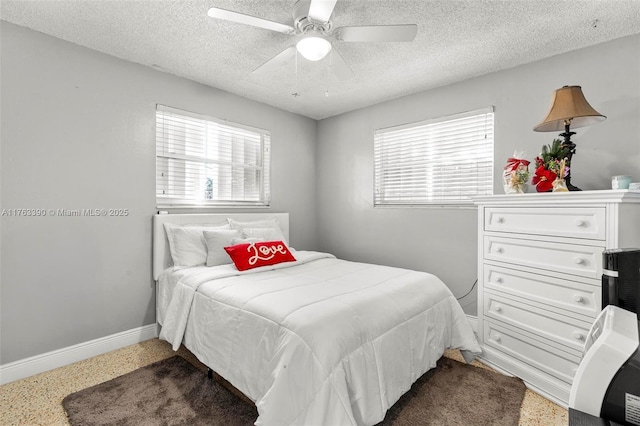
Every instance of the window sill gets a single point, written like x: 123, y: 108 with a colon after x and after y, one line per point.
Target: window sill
x: 436, y: 204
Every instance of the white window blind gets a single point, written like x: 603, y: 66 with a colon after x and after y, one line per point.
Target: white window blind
x: 440, y: 161
x: 202, y: 161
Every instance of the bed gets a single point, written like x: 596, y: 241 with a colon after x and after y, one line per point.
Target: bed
x: 313, y: 341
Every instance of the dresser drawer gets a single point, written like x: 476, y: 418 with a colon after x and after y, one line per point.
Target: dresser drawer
x: 564, y: 330
x: 574, y: 259
x: 557, y: 363
x: 586, y: 223
x: 560, y: 295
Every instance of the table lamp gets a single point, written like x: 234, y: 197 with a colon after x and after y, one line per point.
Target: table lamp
x: 568, y: 109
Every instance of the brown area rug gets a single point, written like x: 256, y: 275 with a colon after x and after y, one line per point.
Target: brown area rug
x: 174, y: 392
x: 454, y: 393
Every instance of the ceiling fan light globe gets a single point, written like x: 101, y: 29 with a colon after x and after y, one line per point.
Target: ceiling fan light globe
x: 313, y: 48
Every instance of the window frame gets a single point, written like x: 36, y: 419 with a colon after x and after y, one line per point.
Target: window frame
x: 164, y: 160
x: 379, y: 168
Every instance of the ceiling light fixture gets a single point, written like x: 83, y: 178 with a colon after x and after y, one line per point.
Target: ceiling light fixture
x: 313, y: 46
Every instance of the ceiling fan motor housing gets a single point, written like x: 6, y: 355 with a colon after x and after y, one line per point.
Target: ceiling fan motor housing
x: 303, y: 23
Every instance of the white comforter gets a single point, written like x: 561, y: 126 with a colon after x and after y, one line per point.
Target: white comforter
x: 320, y: 341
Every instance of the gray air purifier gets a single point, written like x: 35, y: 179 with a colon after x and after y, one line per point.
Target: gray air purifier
x: 607, y: 382
x: 621, y: 278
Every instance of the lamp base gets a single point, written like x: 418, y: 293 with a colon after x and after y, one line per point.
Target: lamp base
x: 570, y: 147
x: 570, y: 186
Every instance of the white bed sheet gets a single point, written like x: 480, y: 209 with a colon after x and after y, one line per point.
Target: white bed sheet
x: 320, y: 341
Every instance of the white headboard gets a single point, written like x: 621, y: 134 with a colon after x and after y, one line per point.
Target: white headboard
x: 161, y: 253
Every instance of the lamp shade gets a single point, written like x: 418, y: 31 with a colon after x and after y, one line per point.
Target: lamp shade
x: 569, y: 105
x: 313, y: 46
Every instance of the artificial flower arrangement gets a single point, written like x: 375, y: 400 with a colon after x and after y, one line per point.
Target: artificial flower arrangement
x: 552, y: 167
x: 516, y: 174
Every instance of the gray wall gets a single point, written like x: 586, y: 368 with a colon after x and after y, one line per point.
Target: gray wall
x: 444, y: 240
x: 78, y: 131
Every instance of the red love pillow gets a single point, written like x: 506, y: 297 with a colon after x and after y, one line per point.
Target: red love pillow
x: 248, y: 256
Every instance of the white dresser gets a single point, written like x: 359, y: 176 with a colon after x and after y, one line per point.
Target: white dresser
x: 539, y: 278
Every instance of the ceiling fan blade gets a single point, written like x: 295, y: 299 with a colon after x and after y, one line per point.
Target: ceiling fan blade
x: 339, y: 66
x: 377, y: 33
x: 241, y: 18
x: 277, y: 61
x: 321, y: 10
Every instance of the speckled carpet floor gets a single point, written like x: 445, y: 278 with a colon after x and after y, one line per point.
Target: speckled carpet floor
x: 37, y: 400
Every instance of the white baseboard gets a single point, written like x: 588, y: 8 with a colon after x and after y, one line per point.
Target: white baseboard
x: 48, y: 361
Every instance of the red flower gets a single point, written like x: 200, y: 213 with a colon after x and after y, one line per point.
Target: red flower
x: 543, y: 179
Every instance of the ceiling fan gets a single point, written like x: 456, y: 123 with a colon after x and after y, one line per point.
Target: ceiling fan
x: 314, y: 33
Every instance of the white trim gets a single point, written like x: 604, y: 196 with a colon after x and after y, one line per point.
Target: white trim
x: 197, y: 116
x: 573, y: 198
x: 466, y: 114
x: 48, y: 361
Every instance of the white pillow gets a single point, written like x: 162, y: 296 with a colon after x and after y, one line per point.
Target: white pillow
x: 187, y: 245
x: 236, y: 241
x: 265, y: 234
x: 216, y: 242
x: 262, y: 223
x: 257, y: 229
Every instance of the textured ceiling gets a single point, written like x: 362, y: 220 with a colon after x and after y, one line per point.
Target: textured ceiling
x: 456, y: 40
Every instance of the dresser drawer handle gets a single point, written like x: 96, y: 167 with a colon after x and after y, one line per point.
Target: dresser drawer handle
x: 581, y: 223
x: 579, y: 261
x: 499, y: 280
x: 498, y: 309
x: 499, y: 250
x: 500, y: 220
x: 578, y: 336
x: 578, y: 298
x: 497, y: 338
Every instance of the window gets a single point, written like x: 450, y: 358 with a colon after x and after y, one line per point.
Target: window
x: 440, y: 161
x: 201, y: 161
